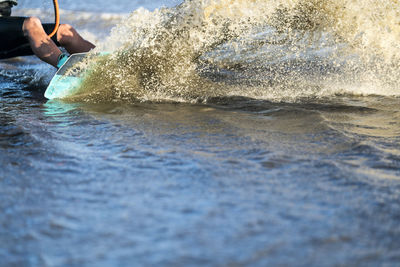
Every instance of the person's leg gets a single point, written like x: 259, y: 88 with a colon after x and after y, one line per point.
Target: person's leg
x: 69, y: 38
x: 13, y: 42
x: 45, y: 48
x: 41, y: 44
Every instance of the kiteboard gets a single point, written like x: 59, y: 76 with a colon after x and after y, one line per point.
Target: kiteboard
x: 69, y: 77
x: 66, y: 83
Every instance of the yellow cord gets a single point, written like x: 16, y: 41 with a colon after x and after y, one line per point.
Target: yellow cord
x: 57, y: 18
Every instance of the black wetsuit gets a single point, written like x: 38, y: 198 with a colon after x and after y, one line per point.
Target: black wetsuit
x: 13, y: 43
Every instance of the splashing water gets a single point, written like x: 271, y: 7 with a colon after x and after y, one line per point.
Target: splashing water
x: 282, y: 50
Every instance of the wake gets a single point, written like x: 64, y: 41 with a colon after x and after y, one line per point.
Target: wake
x: 276, y: 50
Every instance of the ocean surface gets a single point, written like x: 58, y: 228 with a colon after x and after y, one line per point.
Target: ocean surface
x: 218, y: 133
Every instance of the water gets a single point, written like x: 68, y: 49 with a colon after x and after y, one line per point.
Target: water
x: 291, y: 161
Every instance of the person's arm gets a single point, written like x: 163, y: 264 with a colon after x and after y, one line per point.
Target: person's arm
x: 5, y: 7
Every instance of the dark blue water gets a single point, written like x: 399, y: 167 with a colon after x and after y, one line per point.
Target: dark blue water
x: 233, y: 182
x: 244, y: 183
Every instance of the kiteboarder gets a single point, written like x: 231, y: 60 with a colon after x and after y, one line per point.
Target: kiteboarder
x: 22, y: 36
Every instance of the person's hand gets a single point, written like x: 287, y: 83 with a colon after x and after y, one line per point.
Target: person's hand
x: 5, y: 8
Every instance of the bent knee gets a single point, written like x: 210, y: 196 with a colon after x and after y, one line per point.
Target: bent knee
x: 32, y: 23
x: 65, y: 33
